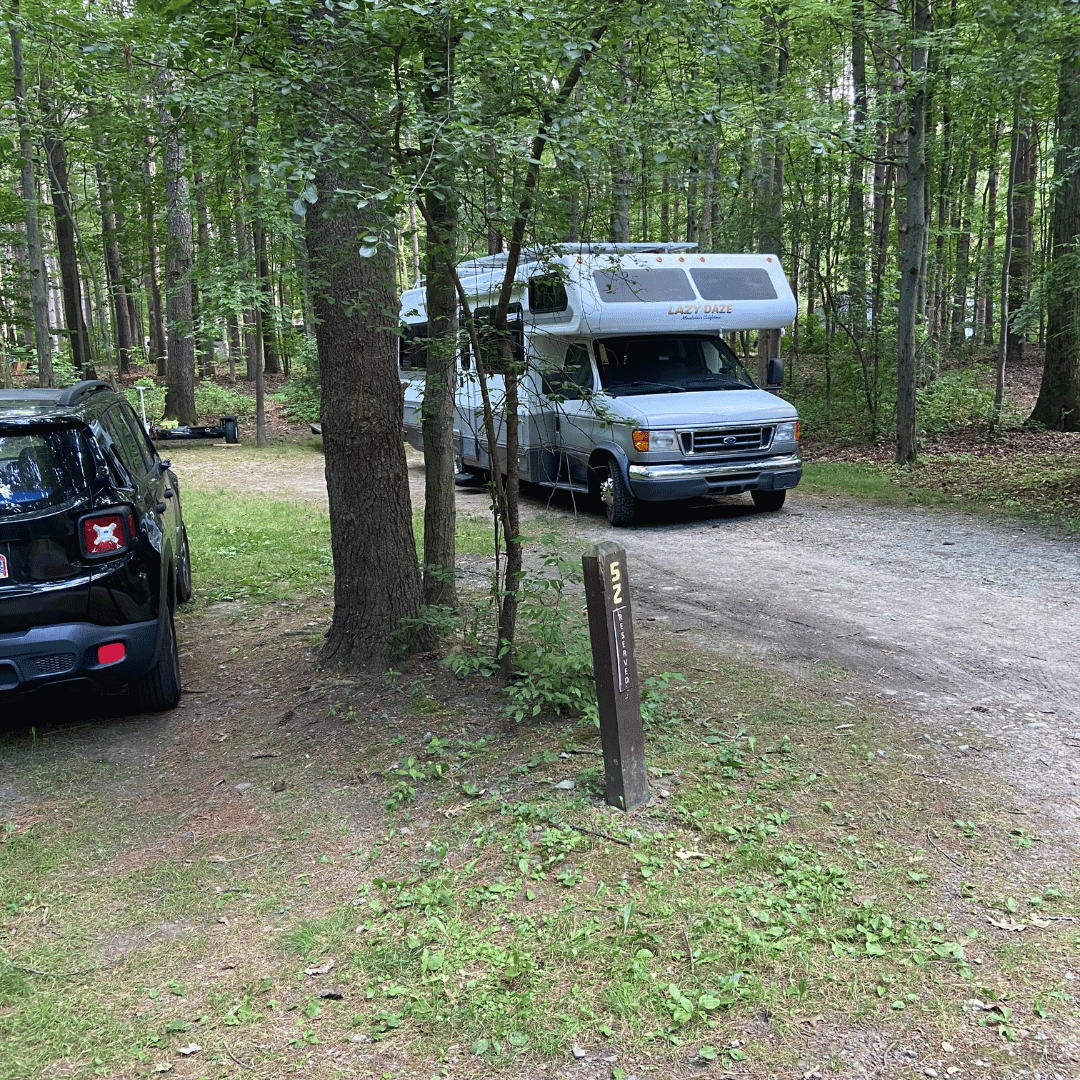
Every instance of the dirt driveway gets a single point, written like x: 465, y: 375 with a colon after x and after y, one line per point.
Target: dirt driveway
x: 965, y: 624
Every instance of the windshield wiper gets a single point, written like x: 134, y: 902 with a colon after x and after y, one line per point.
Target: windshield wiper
x: 643, y: 386
x: 717, y: 382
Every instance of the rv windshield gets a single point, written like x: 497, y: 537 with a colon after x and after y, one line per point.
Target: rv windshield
x: 668, y: 364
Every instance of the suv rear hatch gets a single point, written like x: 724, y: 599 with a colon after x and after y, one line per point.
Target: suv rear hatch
x: 45, y: 472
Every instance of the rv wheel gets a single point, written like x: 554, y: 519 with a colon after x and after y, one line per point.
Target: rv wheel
x: 619, y: 502
x: 768, y: 500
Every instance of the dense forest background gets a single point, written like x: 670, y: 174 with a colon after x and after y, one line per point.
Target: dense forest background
x: 915, y: 167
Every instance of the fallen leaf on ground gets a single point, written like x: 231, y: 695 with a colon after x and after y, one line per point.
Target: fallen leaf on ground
x: 1006, y: 924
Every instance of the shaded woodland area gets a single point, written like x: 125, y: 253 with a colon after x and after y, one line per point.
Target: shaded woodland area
x: 214, y: 188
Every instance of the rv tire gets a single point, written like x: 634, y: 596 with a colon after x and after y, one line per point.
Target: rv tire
x: 768, y: 500
x: 618, y: 501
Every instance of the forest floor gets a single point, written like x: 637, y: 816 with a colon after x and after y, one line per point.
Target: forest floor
x: 929, y: 657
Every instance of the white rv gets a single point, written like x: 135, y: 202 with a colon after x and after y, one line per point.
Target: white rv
x: 628, y: 393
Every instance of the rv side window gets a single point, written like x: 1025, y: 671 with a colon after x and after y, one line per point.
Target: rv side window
x: 575, y: 380
x: 412, y: 349
x: 643, y: 286
x: 733, y: 283
x: 547, y: 295
x: 489, y: 344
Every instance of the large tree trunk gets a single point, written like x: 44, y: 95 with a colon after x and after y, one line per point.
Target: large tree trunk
x: 376, y: 578
x: 906, y: 446
x: 1058, y: 406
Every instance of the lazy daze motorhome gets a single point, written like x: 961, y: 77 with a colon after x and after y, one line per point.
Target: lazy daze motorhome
x: 628, y: 392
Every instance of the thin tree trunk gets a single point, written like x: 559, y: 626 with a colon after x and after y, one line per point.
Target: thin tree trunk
x: 440, y: 381
x: 67, y: 257
x: 774, y: 67
x: 154, y: 306
x: 180, y: 378
x: 207, y: 334
x: 114, y: 267
x: 906, y: 445
x: 39, y: 299
x: 1023, y: 205
x: 1015, y: 147
x: 991, y: 217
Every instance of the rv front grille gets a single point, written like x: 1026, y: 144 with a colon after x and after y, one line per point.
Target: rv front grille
x: 726, y: 440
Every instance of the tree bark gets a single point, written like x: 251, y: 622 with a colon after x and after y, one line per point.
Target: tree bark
x: 1058, y: 406
x: 154, y: 308
x: 39, y: 300
x: 1023, y: 206
x: 912, y: 270
x: 66, y: 247
x: 376, y: 578
x: 1006, y: 260
x: 114, y: 267
x: 440, y: 380
x: 243, y: 258
x: 180, y: 377
x: 204, y: 257
x: 774, y: 67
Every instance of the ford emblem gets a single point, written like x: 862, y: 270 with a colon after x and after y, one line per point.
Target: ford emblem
x: 730, y: 440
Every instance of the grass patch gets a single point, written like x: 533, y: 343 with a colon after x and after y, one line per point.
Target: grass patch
x: 248, y: 547
x: 1039, y: 487
x: 796, y: 862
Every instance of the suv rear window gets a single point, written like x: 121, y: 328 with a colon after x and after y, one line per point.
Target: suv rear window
x: 42, y: 469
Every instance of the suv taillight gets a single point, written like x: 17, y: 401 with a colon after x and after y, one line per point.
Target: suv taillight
x: 106, y: 532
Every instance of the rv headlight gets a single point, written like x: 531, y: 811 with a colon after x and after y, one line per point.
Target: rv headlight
x: 787, y: 432
x: 644, y: 441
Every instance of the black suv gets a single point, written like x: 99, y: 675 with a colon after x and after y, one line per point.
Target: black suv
x: 93, y: 551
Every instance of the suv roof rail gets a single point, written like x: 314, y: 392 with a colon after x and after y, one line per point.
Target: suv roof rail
x: 80, y: 391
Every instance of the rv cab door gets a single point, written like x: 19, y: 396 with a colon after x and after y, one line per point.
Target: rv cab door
x: 566, y: 418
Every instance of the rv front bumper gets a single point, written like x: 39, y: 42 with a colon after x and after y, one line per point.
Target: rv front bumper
x: 661, y: 483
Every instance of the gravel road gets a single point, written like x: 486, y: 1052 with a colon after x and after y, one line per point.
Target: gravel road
x: 968, y: 624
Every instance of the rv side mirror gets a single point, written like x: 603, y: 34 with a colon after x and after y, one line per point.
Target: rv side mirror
x: 775, y: 373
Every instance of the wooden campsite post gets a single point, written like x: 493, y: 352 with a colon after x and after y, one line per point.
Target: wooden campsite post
x: 607, y: 594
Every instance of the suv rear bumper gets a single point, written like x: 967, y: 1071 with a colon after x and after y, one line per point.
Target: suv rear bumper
x: 68, y: 652
x: 657, y: 483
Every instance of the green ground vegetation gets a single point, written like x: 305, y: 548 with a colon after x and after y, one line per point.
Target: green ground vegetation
x: 441, y: 886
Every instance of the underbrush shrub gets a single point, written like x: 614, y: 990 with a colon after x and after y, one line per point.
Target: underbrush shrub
x: 553, y: 662
x: 301, y: 396
x: 212, y: 401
